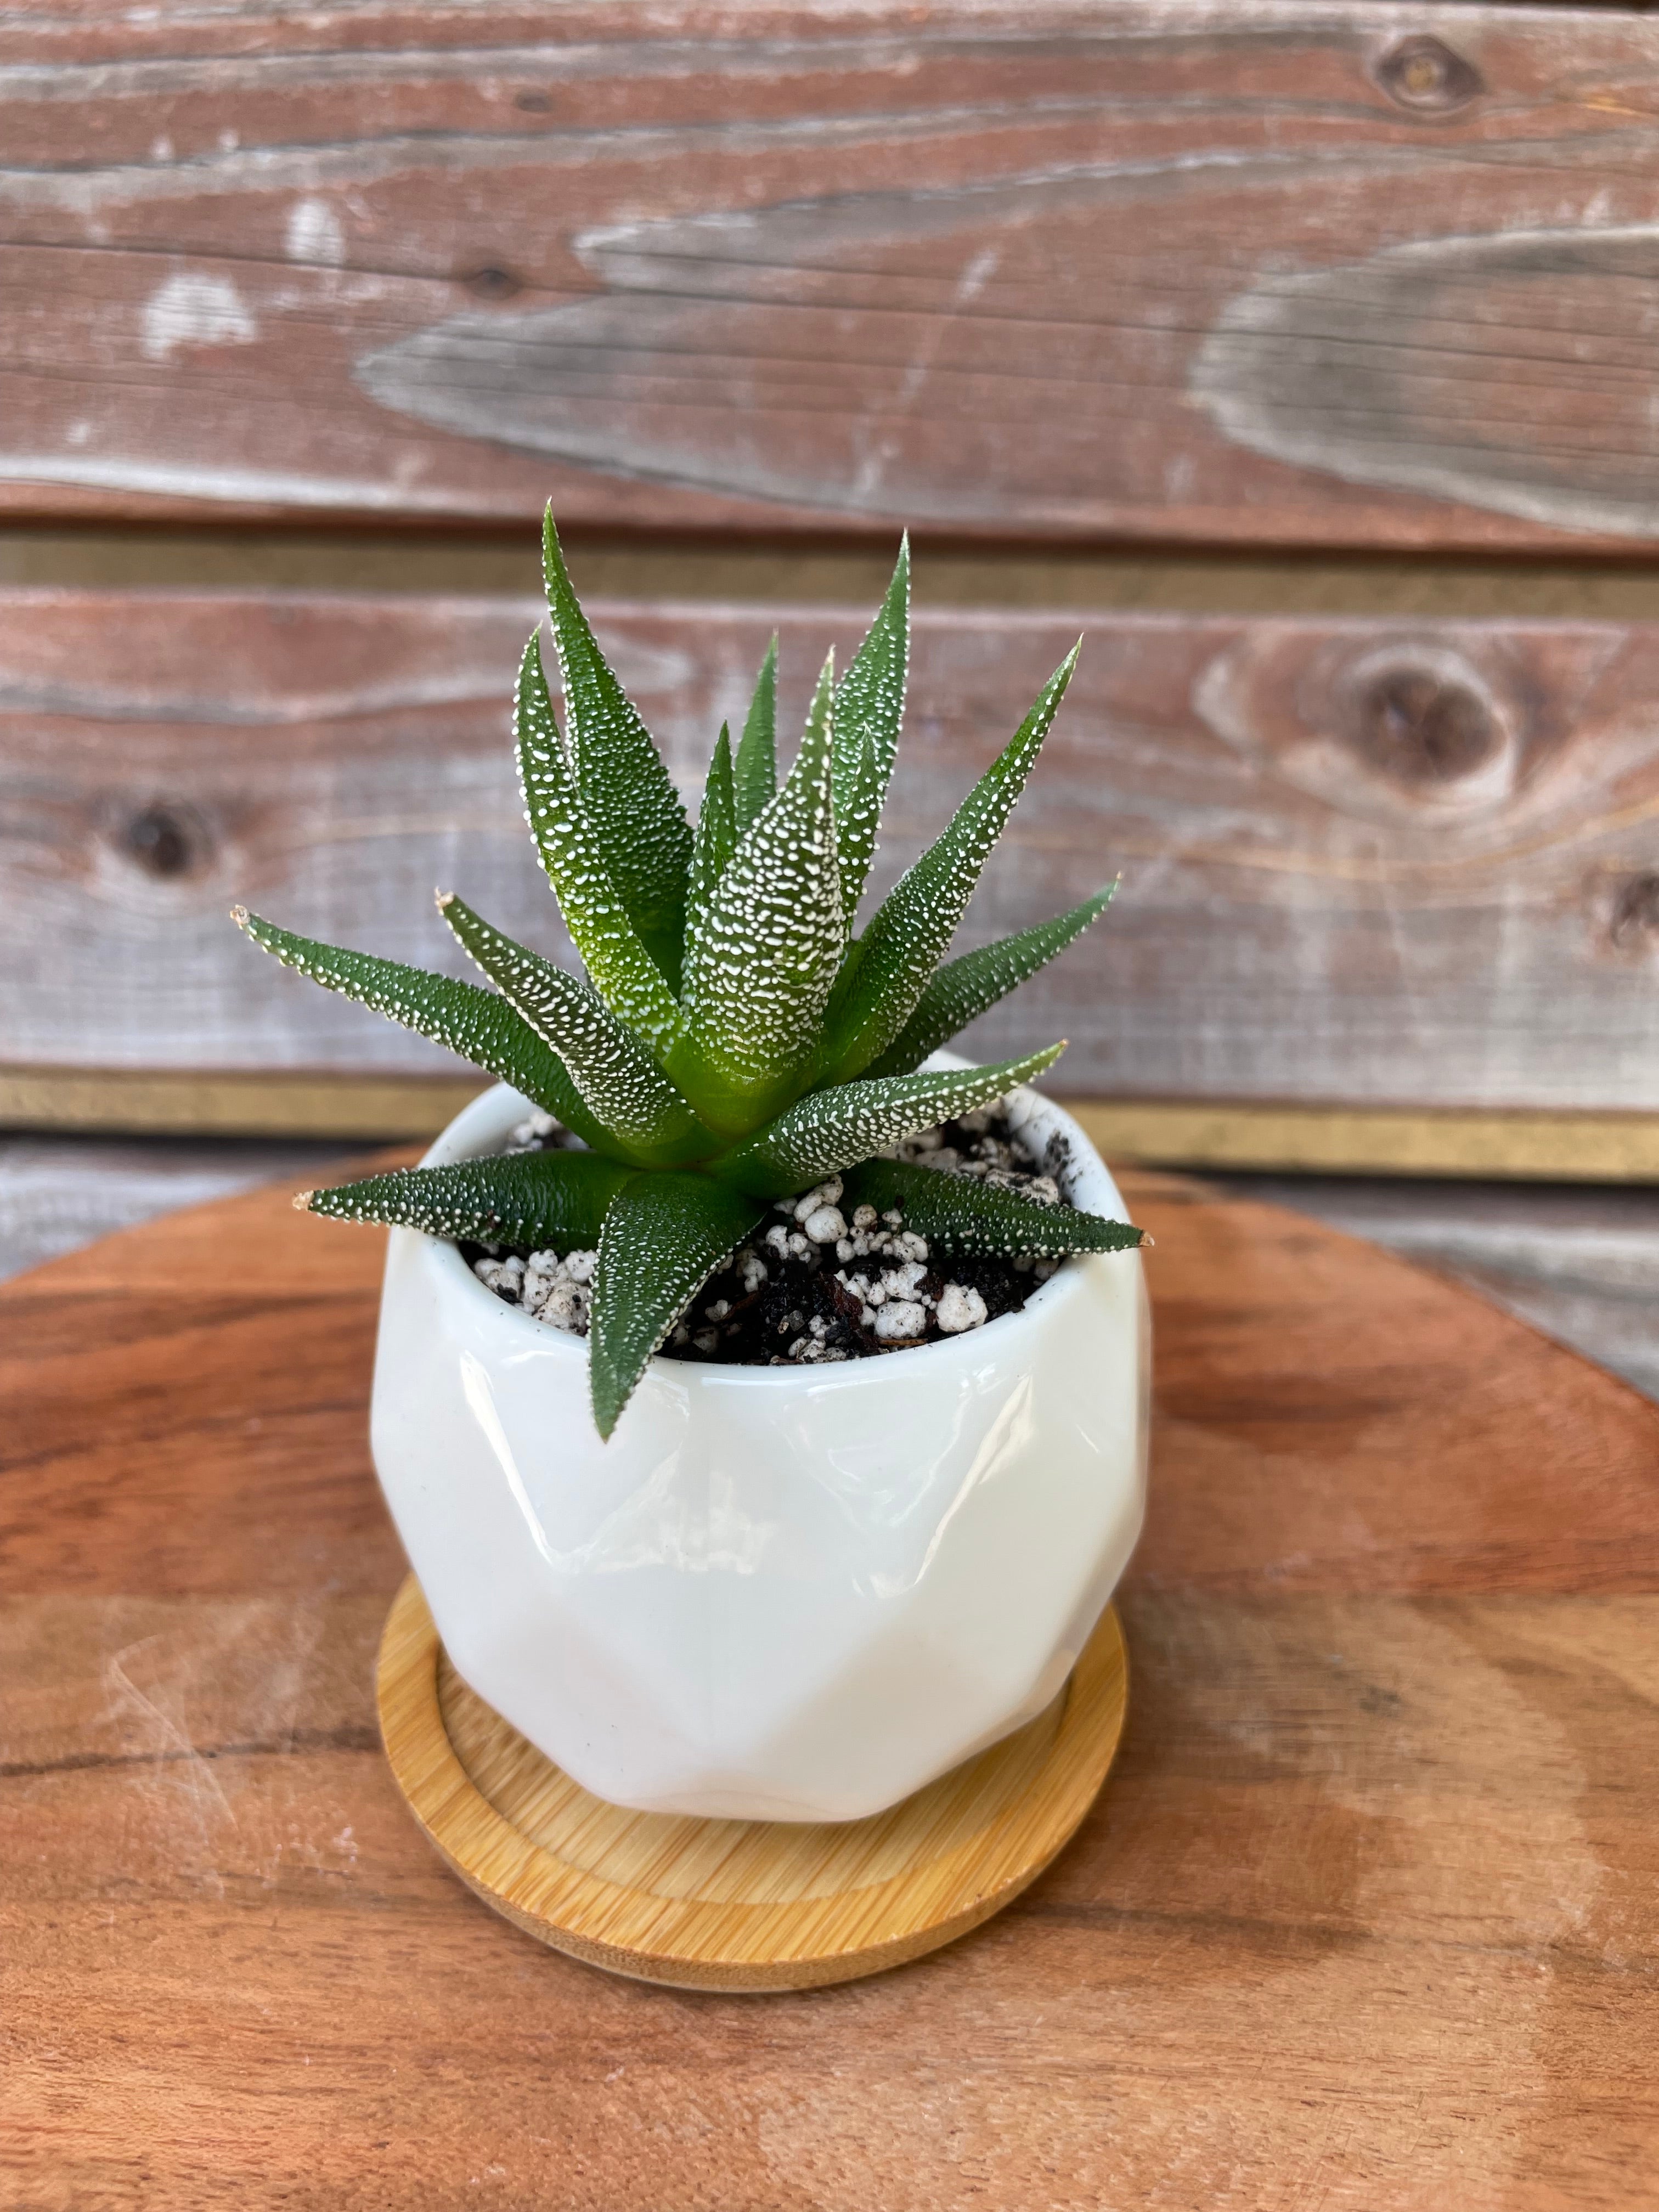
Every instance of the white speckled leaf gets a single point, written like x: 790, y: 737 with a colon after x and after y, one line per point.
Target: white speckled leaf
x: 760, y: 957
x: 629, y: 796
x: 624, y: 973
x: 960, y: 993
x: 754, y: 771
x: 892, y: 962
x: 958, y: 1214
x: 620, y: 1083
x: 831, y: 1129
x: 717, y: 829
x: 664, y: 1237
x: 869, y: 713
x: 474, y: 1023
x: 532, y: 1201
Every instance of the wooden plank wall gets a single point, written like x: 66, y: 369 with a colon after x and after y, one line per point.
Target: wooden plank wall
x: 1402, y: 865
x: 1085, y: 281
x: 1337, y: 274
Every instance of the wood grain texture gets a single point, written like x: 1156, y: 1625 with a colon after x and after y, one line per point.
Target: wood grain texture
x: 1364, y: 863
x: 755, y: 1905
x: 1366, y: 1917
x: 1348, y: 273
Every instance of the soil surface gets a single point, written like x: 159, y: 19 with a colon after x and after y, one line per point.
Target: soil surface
x: 815, y: 1284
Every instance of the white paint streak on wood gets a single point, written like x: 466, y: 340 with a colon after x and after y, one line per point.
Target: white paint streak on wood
x: 185, y: 478
x: 191, y: 308
x: 314, y: 233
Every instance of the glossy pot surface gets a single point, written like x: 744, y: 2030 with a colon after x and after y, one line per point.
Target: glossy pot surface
x: 777, y: 1593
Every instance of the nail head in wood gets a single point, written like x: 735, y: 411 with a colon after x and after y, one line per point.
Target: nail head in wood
x: 1424, y: 73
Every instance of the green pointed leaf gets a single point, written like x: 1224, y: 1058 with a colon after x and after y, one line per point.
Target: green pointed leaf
x: 663, y: 1236
x: 959, y: 993
x: 831, y: 1129
x: 624, y: 973
x: 760, y: 957
x: 869, y: 711
x: 628, y: 794
x: 905, y: 942
x: 755, y: 774
x: 717, y: 828
x: 474, y: 1023
x: 530, y: 1201
x: 959, y: 1214
x: 629, y: 1096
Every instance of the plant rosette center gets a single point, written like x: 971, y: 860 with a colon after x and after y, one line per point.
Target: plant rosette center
x: 827, y: 1277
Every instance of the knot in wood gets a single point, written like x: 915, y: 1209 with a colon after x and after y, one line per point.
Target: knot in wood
x: 493, y: 283
x: 1425, y: 76
x: 1635, y: 917
x: 1423, y: 729
x: 166, y: 842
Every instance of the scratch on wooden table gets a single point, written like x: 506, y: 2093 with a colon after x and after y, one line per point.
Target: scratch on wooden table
x: 202, y: 1788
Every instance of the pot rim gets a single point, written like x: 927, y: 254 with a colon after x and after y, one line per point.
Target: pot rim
x: 491, y: 1106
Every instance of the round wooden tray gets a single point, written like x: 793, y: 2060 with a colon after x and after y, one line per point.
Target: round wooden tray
x: 736, y: 1905
x: 1368, y: 1913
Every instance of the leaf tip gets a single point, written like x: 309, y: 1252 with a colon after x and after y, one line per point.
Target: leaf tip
x: 241, y: 917
x: 302, y: 1201
x: 444, y: 900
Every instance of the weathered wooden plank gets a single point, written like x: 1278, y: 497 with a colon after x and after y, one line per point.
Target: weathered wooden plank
x: 1377, y: 863
x: 1336, y: 273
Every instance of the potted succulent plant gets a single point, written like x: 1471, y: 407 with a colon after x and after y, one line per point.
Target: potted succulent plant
x: 760, y: 1394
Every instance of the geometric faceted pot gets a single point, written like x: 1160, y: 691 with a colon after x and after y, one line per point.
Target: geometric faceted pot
x: 776, y: 1594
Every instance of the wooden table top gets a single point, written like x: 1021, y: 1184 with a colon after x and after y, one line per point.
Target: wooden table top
x: 1366, y: 1917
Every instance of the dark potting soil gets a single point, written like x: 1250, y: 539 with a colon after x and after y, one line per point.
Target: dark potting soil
x: 815, y: 1286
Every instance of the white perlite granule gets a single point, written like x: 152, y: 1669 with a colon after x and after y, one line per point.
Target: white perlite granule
x: 530, y: 1135
x: 960, y: 1307
x: 553, y: 1290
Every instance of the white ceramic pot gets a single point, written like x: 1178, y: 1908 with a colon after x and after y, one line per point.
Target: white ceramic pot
x: 777, y: 1593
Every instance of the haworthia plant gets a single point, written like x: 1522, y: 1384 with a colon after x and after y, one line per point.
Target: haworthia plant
x: 737, y: 1039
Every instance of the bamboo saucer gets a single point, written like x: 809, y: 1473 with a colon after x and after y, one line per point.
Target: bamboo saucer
x: 736, y: 1905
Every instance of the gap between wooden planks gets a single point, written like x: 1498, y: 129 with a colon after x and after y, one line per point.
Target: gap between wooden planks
x: 1154, y: 1133
x: 777, y: 571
